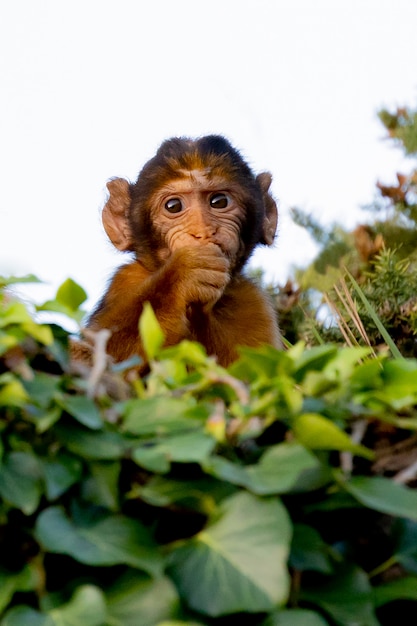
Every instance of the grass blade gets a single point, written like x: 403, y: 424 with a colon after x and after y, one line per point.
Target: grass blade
x: 371, y: 312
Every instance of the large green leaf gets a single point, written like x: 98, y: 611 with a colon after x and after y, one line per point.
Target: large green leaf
x: 194, y: 447
x: 97, y: 445
x: 20, y: 481
x: 25, y: 580
x: 60, y: 474
x: 136, y: 600
x: 83, y: 409
x: 239, y: 562
x: 308, y: 550
x: 161, y: 415
x: 109, y: 541
x: 278, y: 470
x: 384, y: 495
x: 87, y: 607
x: 319, y: 433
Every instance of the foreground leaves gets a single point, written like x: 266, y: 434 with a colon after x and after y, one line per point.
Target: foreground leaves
x: 200, y: 496
x: 245, y: 552
x: 107, y: 541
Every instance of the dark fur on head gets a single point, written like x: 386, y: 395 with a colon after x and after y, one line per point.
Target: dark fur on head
x: 214, y: 154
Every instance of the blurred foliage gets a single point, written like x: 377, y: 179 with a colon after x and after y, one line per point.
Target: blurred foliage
x: 381, y: 256
x: 278, y: 492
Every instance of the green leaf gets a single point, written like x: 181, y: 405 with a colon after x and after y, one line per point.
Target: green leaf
x: 160, y: 415
x: 135, y: 595
x: 25, y: 580
x: 25, y: 616
x: 14, y: 313
x: 42, y: 388
x: 12, y: 392
x: 20, y: 481
x: 150, y: 332
x: 102, y: 486
x: 87, y: 607
x: 60, y: 475
x: 295, y: 617
x: 319, y: 433
x: 186, y: 351
x: 83, y: 409
x: 278, y: 470
x: 198, y: 494
x: 40, y: 332
x: 68, y: 299
x: 14, y: 280
x: 399, y: 384
x: 384, y: 495
x: 262, y: 363
x: 239, y: 562
x: 108, y: 541
x: 71, y: 295
x: 401, y: 589
x: 406, y: 550
x: 314, y: 359
x: 308, y: 550
x: 95, y: 445
x: 345, y: 361
x: 47, y: 419
x: 184, y: 448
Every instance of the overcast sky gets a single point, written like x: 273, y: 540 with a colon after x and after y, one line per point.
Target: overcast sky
x: 89, y: 89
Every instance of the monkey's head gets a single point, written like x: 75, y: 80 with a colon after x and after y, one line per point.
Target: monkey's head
x: 192, y: 192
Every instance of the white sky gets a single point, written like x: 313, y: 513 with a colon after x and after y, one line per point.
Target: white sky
x: 89, y: 89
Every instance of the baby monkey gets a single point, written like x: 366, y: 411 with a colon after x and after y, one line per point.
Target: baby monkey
x: 191, y: 220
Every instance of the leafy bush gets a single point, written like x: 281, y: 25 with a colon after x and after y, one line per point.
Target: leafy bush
x: 269, y: 494
x: 380, y: 255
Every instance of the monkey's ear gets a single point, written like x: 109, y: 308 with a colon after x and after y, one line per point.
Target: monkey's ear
x: 114, y: 214
x: 271, y: 212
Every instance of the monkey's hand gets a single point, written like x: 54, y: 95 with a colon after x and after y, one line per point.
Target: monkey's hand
x: 200, y: 274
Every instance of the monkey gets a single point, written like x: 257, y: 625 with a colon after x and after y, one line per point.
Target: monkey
x: 192, y: 220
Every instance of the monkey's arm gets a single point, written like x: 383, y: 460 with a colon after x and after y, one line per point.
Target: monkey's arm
x: 244, y: 316
x: 190, y: 275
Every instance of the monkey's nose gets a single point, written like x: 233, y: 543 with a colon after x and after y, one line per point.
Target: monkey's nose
x: 200, y: 227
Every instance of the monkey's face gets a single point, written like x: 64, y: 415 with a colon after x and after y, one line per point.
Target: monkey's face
x: 192, y: 193
x: 197, y: 209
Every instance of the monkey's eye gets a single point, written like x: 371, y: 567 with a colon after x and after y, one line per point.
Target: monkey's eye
x: 219, y: 201
x: 174, y: 205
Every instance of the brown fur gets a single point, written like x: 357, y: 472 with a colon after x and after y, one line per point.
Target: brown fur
x: 188, y: 264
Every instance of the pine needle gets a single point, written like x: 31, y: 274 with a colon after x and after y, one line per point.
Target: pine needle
x: 371, y: 312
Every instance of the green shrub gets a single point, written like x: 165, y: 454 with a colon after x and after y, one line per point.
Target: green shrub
x: 277, y: 493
